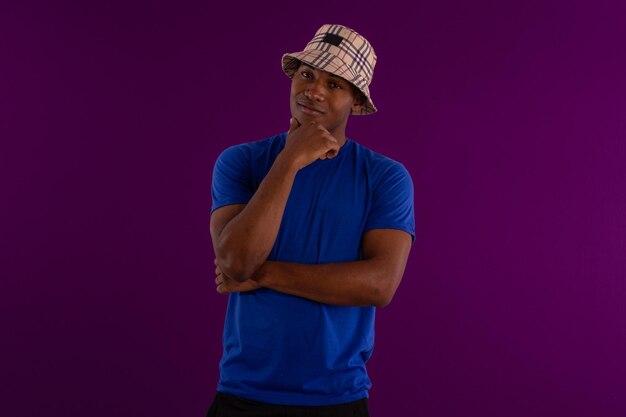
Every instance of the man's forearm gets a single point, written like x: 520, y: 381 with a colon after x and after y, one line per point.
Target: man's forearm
x: 360, y: 283
x: 245, y: 242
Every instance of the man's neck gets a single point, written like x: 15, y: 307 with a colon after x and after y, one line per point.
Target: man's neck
x: 340, y: 137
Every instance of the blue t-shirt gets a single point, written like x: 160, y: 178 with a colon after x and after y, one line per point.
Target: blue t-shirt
x: 283, y: 349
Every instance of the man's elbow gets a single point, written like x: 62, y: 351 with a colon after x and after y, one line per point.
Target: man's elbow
x: 382, y: 299
x: 384, y: 291
x: 230, y: 261
x: 236, y: 265
x: 235, y: 269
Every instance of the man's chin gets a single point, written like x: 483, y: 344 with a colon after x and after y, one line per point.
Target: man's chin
x: 308, y: 118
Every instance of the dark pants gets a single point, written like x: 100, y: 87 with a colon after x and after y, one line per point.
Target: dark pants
x: 225, y: 405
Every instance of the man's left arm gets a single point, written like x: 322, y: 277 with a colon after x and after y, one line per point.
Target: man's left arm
x: 371, y: 281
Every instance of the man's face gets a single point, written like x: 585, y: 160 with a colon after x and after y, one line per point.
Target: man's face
x: 320, y: 96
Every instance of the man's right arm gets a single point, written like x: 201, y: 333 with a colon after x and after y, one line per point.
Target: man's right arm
x: 243, y: 235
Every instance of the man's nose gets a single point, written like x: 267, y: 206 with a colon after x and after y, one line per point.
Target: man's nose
x: 316, y: 90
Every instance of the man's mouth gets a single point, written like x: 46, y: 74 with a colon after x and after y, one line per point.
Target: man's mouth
x: 308, y: 109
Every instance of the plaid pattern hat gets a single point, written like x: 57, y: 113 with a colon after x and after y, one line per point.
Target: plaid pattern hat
x: 342, y: 52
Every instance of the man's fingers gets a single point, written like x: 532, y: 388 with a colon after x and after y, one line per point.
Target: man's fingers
x: 293, y: 124
x: 333, y: 147
x: 222, y: 286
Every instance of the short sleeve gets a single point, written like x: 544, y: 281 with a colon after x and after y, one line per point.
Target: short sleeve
x: 392, y: 201
x: 232, y: 178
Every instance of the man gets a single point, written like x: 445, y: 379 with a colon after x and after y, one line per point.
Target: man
x: 311, y: 232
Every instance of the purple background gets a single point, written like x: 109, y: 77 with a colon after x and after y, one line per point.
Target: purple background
x: 511, y: 119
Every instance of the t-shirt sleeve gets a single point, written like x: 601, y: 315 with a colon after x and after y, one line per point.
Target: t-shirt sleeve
x: 232, y: 178
x: 392, y: 201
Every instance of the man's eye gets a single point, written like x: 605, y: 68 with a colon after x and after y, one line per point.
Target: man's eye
x: 306, y: 74
x: 334, y: 85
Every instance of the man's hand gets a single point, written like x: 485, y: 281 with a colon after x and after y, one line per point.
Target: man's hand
x: 226, y: 285
x: 308, y: 142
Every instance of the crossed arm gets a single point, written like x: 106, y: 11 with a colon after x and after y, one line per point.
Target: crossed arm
x: 243, y: 236
x: 370, y: 281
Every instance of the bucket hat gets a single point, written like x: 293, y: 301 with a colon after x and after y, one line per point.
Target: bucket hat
x: 341, y: 51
